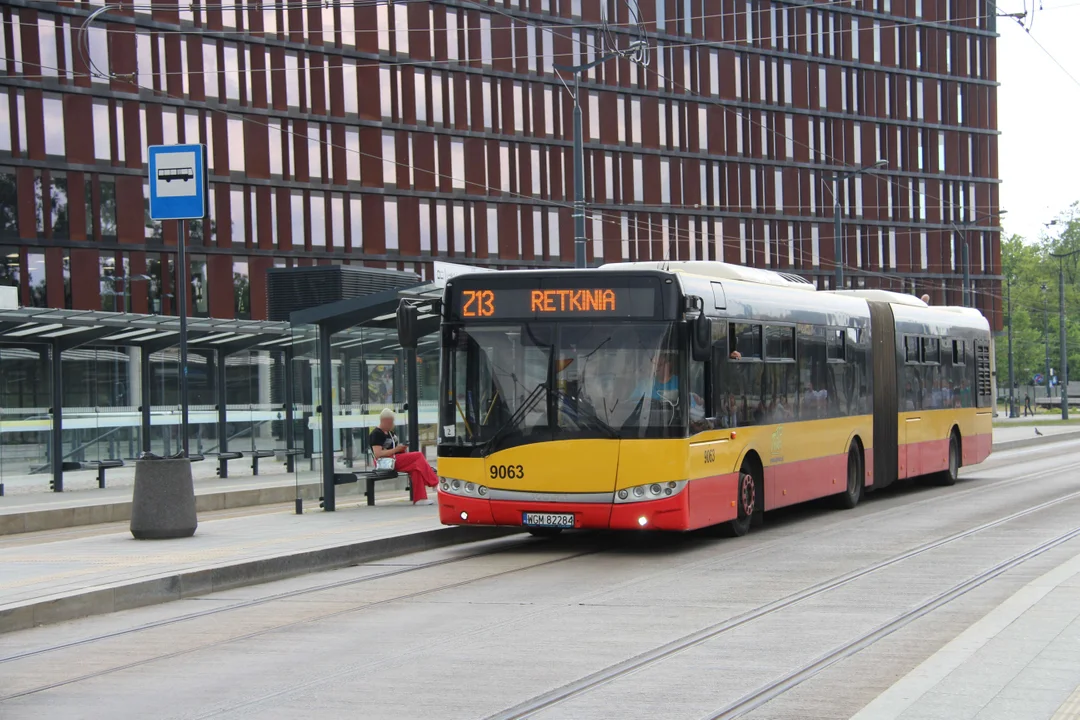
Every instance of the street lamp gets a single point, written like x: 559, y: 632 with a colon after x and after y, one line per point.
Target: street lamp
x: 961, y: 230
x: 1061, y: 321
x: 838, y: 228
x: 1012, y: 376
x: 1046, y: 338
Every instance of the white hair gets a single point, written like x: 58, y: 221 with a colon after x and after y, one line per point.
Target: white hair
x: 386, y: 413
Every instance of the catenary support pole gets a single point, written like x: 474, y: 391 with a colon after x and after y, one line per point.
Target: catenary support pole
x: 838, y: 234
x: 579, y: 181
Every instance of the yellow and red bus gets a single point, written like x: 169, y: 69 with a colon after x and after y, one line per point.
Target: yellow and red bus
x: 685, y: 395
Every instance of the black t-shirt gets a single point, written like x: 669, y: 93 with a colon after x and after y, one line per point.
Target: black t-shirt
x: 383, y: 439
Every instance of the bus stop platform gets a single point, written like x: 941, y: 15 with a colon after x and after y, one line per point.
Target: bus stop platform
x: 1020, y: 660
x: 29, y: 506
x: 57, y: 575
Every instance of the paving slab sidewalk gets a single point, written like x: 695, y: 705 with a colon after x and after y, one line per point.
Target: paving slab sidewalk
x: 56, y: 580
x: 1021, y: 660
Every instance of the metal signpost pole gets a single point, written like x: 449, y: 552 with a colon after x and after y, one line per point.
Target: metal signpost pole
x: 178, y: 192
x: 182, y: 294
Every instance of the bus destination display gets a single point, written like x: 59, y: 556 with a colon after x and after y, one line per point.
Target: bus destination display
x: 478, y: 304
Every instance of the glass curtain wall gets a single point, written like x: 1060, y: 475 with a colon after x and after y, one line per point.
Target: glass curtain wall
x: 25, y: 422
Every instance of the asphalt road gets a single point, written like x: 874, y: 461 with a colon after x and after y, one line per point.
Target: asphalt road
x: 810, y: 616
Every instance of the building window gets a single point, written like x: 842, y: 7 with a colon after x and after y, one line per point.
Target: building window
x: 54, y: 125
x: 241, y: 290
x: 391, y: 224
x: 352, y: 156
x: 296, y: 208
x: 356, y: 222
x: 9, y: 207
x: 318, y: 220
x: 236, y: 144
x: 9, y: 266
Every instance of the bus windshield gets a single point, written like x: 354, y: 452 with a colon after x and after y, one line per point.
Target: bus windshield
x: 530, y: 382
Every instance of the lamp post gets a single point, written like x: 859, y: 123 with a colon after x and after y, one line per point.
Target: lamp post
x: 961, y: 229
x: 838, y: 226
x: 1046, y: 338
x: 1012, y: 376
x: 1061, y: 321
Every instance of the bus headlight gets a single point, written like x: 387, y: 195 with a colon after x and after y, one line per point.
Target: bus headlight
x: 652, y: 491
x: 463, y: 488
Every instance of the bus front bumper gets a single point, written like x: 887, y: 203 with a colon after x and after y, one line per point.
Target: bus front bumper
x: 664, y: 514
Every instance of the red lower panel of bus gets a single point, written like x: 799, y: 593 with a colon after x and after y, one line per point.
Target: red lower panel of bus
x: 932, y: 456
x: 976, y: 448
x: 796, y: 482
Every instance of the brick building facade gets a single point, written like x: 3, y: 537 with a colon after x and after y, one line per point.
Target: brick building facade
x: 393, y: 134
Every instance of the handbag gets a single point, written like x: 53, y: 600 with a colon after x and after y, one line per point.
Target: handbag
x: 386, y: 463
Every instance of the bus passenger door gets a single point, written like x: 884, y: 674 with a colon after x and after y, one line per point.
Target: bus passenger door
x: 910, y: 462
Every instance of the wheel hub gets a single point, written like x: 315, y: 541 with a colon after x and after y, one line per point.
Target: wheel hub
x: 746, y: 494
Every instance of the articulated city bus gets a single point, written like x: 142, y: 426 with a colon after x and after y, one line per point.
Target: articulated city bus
x: 684, y: 395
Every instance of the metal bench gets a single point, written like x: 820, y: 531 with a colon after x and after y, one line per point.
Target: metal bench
x: 223, y: 459
x: 101, y: 466
x: 255, y: 455
x: 376, y: 475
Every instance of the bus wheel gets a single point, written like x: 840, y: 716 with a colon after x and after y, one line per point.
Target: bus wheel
x: 949, y: 476
x: 546, y: 532
x: 746, y: 501
x: 853, y: 493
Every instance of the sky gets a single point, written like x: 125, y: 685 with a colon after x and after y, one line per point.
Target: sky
x: 1038, y: 113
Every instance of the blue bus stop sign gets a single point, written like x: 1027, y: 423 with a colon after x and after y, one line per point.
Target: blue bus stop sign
x: 177, y: 182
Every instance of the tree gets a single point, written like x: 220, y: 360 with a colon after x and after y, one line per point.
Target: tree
x: 1035, y: 311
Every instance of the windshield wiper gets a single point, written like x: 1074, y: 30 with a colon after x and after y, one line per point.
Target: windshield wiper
x: 588, y: 414
x: 526, y: 407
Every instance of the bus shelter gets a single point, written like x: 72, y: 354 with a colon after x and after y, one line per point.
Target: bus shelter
x: 88, y: 390
x: 357, y: 367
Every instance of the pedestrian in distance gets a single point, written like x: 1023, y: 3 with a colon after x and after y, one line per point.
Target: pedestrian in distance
x: 384, y: 444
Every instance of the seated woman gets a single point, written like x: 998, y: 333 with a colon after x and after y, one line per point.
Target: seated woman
x: 384, y: 444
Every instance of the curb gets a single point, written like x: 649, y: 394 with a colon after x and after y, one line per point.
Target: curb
x: 189, y: 583
x: 1031, y: 442
x: 13, y: 523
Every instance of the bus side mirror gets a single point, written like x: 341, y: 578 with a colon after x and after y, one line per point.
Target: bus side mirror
x: 701, y: 338
x: 407, y: 316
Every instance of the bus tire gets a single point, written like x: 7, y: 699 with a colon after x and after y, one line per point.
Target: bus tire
x: 545, y: 532
x: 746, y: 501
x: 853, y: 493
x: 952, y: 472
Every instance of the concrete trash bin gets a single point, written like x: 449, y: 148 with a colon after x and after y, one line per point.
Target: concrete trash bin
x: 163, y: 502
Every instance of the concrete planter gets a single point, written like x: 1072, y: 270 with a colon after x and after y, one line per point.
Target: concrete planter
x: 163, y: 503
